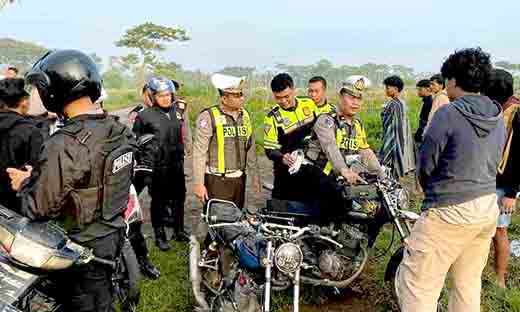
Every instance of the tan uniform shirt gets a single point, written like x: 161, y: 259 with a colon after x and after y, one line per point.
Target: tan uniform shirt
x: 201, y: 141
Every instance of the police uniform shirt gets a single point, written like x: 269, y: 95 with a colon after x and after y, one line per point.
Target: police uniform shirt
x: 326, y: 128
x: 203, y: 135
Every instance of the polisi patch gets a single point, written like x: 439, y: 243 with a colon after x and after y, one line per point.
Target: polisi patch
x: 122, y: 161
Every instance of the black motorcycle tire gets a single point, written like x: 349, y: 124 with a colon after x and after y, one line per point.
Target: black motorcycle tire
x: 391, y: 275
x: 128, y: 278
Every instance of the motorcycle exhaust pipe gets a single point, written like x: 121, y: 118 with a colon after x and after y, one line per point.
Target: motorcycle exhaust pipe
x: 268, y: 267
x: 195, y: 277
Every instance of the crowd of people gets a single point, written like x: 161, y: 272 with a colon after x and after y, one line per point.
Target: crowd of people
x: 68, y: 163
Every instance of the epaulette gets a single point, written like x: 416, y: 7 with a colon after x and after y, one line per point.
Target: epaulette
x: 273, y: 111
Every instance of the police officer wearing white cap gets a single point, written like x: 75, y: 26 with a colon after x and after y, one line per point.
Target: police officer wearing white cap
x: 338, y: 134
x: 224, y: 145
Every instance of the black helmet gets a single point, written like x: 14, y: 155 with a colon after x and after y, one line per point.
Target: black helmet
x: 64, y: 76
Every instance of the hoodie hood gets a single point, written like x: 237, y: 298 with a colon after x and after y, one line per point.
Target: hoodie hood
x: 8, y: 119
x: 482, y: 113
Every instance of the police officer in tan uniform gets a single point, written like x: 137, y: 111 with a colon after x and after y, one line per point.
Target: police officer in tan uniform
x: 224, y: 145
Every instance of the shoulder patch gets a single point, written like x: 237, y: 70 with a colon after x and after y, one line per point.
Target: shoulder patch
x: 328, y: 121
x: 267, y: 127
x: 203, y: 124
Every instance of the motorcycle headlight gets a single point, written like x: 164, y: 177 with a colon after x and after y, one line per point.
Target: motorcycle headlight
x: 403, y: 199
x: 29, y: 252
x: 288, y: 258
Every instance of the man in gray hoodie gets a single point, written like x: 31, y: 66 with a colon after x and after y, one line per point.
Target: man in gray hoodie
x: 456, y: 167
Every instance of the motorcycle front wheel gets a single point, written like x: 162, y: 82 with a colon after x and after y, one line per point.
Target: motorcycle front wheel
x: 391, y: 275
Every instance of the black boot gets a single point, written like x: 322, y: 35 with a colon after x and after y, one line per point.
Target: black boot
x: 180, y: 237
x: 160, y: 239
x: 148, y: 269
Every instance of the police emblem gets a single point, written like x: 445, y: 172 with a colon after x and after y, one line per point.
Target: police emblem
x: 306, y: 111
x: 328, y: 122
x: 203, y: 123
x: 222, y: 119
x: 267, y: 128
x: 286, y: 121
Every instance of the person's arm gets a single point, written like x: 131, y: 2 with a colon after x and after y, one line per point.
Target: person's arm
x: 439, y: 101
x: 63, y: 163
x: 435, y: 140
x: 35, y: 145
x: 252, y: 163
x: 271, y: 144
x: 201, y: 140
x: 326, y: 132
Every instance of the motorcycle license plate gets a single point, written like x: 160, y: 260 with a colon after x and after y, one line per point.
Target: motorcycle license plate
x: 13, y: 284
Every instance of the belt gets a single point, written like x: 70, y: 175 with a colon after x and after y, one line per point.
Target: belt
x: 228, y: 174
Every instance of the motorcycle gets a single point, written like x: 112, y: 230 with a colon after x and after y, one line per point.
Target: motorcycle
x: 31, y: 251
x: 290, y: 249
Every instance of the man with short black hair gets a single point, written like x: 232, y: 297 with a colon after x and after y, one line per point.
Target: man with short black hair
x: 317, y: 91
x: 500, y: 89
x: 21, y: 141
x: 424, y: 92
x: 287, y: 126
x: 439, y: 95
x: 397, y: 142
x: 456, y: 168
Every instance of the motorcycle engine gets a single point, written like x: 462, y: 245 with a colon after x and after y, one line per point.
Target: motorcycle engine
x: 332, y: 265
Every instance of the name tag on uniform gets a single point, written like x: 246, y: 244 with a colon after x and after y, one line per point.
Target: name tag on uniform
x: 231, y: 132
x: 122, y: 161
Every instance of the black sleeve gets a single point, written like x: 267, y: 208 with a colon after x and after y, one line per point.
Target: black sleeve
x: 62, y: 165
x: 274, y: 155
x: 138, y: 127
x: 35, y: 145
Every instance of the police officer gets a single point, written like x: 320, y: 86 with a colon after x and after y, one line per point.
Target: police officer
x: 287, y: 128
x: 83, y: 177
x: 168, y: 189
x: 335, y: 136
x: 341, y: 133
x: 224, y: 145
x: 147, y: 103
x: 317, y: 92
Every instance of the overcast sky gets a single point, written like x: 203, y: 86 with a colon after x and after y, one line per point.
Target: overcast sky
x: 417, y: 33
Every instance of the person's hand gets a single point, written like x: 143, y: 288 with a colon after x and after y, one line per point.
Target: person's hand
x: 188, y: 150
x: 257, y: 183
x: 201, y: 192
x: 351, y: 176
x: 131, y: 117
x: 18, y: 176
x: 288, y: 160
x: 508, y: 205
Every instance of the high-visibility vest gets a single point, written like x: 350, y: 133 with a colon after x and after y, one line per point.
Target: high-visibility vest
x: 230, y: 141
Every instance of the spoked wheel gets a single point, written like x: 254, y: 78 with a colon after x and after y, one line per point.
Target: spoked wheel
x: 391, y: 276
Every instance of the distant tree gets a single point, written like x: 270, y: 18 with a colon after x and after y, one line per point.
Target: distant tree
x: 150, y: 39
x: 238, y: 71
x: 20, y: 54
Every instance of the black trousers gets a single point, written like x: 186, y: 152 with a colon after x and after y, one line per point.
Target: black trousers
x: 137, y: 239
x: 88, y: 288
x: 168, y: 194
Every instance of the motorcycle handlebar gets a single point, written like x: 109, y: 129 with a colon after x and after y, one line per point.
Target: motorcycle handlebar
x: 105, y: 262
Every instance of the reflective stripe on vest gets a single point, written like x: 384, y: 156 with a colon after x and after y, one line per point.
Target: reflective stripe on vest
x: 345, y: 143
x: 223, y: 131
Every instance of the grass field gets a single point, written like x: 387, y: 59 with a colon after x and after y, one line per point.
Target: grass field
x: 172, y: 292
